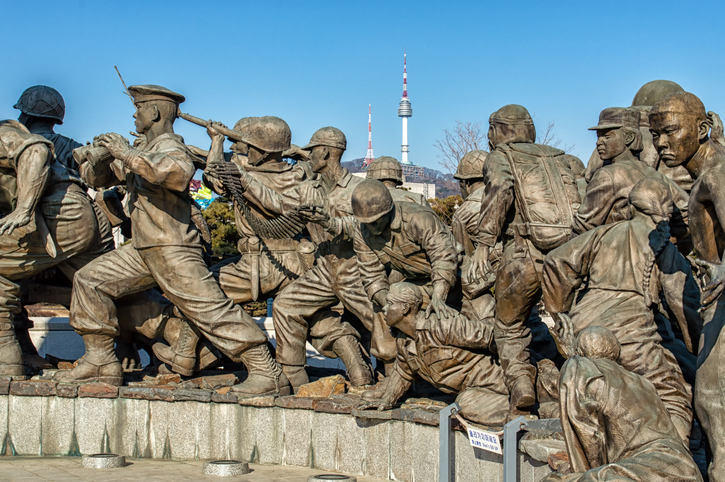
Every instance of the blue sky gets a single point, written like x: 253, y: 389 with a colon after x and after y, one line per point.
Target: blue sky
x: 321, y: 63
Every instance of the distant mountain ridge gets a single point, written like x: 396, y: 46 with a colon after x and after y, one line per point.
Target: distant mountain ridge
x: 445, y: 184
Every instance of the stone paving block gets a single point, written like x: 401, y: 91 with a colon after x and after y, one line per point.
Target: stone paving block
x: 191, y: 395
x: 24, y: 423
x: 34, y: 388
x: 172, y: 431
x: 293, y: 401
x: 350, y: 446
x: 297, y: 437
x: 223, y: 397
x: 336, y: 404
x: 130, y: 432
x: 4, y: 385
x: 66, y: 390
x: 473, y: 464
x: 146, y: 393
x: 57, y: 426
x: 268, y: 401
x: 425, y: 455
x: 377, y: 447
x: 94, y: 419
x: 401, y: 448
x: 324, y: 440
x: 97, y: 390
x: 4, y: 400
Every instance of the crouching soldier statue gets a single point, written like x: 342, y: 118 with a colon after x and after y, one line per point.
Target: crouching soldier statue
x: 453, y: 354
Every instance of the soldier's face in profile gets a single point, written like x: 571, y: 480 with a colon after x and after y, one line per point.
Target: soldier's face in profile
x: 144, y: 117
x: 318, y: 158
x: 610, y: 143
x: 463, y: 185
x: 255, y: 156
x: 675, y: 136
x: 394, y: 311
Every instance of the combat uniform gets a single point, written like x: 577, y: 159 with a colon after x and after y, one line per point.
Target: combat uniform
x: 419, y: 249
x: 454, y: 355
x: 625, y: 279
x: 64, y: 228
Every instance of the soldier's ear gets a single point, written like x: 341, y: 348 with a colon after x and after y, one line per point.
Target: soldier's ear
x: 628, y: 136
x: 157, y: 113
x: 703, y: 129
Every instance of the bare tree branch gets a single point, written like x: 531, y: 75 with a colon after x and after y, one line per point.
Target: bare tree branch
x: 465, y: 137
x: 550, y: 139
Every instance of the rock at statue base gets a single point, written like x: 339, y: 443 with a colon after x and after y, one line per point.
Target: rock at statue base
x: 323, y: 388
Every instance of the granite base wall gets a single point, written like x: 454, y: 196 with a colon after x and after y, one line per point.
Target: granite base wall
x: 271, y: 434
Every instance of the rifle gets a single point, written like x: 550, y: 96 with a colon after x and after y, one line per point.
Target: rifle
x: 229, y: 133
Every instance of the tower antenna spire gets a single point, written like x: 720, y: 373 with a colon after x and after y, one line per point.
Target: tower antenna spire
x: 369, y: 156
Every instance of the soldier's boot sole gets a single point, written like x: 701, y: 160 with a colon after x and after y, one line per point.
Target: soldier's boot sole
x: 11, y: 356
x: 183, y: 365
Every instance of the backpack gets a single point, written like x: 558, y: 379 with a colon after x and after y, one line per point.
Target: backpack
x: 546, y: 193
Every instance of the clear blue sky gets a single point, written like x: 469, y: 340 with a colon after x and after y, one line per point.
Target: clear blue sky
x: 320, y: 63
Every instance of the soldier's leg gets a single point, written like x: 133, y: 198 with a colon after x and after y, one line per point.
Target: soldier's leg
x: 660, y: 367
x: 710, y: 386
x: 236, y: 278
x: 517, y: 290
x: 484, y: 405
x: 187, y: 282
x: 93, y: 313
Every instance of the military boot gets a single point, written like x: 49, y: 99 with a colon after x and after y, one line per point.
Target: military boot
x: 296, y: 375
x: 523, y: 395
x: 347, y: 349
x: 265, y: 375
x: 11, y: 358
x: 180, y: 353
x: 99, y: 364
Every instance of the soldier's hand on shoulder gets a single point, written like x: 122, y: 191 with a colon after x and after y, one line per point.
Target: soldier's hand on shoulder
x: 15, y: 219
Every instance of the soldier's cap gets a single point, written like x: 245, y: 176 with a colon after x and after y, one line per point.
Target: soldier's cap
x: 512, y: 114
x: 147, y: 92
x: 615, y: 117
x: 327, y: 136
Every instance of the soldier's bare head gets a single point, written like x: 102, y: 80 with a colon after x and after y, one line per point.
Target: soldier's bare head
x: 652, y: 197
x: 597, y: 342
x: 655, y: 91
x: 511, y: 123
x: 402, y: 305
x: 679, y: 125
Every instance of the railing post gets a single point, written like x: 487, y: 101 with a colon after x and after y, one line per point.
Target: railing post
x: 511, y: 448
x: 446, y: 459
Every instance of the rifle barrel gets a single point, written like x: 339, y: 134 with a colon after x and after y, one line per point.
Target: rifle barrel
x: 231, y: 134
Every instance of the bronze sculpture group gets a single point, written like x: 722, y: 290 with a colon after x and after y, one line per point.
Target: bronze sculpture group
x: 626, y: 255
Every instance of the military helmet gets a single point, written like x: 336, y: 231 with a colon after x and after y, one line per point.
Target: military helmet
x: 652, y: 92
x: 385, y: 168
x: 42, y: 101
x: 371, y: 200
x: 512, y: 114
x: 471, y: 165
x: 327, y: 136
x: 270, y: 134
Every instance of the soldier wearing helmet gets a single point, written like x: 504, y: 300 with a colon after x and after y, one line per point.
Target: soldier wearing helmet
x: 165, y: 251
x: 266, y: 264
x: 388, y: 170
x: 522, y: 178
x: 402, y: 241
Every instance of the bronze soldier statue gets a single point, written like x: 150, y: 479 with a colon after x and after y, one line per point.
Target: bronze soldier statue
x: 453, y: 354
x: 680, y: 129
x: 528, y: 204
x: 402, y: 241
x: 615, y: 425
x: 267, y: 262
x: 334, y: 278
x: 165, y: 251
x: 628, y: 265
x: 388, y: 170
x: 47, y: 220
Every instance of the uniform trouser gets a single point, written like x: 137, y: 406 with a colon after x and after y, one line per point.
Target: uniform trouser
x: 180, y: 272
x: 235, y: 276
x: 632, y: 323
x: 71, y: 221
x: 517, y: 290
x: 710, y: 386
x: 330, y: 281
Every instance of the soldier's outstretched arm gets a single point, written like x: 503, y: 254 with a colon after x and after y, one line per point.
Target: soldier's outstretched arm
x: 462, y: 332
x: 596, y: 204
x: 32, y: 169
x: 396, y: 385
x: 215, y: 156
x: 372, y: 271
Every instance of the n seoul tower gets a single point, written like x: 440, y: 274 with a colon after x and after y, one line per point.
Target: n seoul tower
x: 405, y: 110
